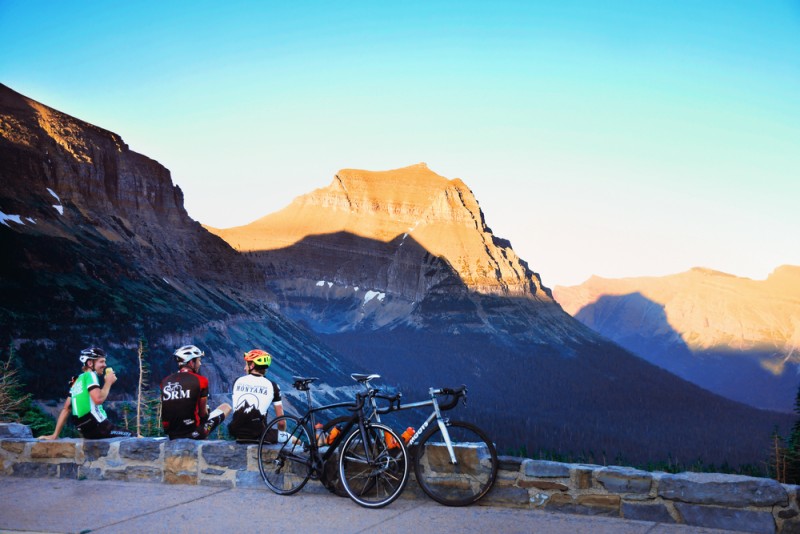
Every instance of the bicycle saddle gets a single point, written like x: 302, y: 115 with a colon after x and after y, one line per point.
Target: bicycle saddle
x: 363, y: 379
x: 301, y: 384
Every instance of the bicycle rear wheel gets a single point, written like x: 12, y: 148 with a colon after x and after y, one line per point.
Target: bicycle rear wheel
x: 463, y: 482
x: 377, y: 482
x: 283, y: 455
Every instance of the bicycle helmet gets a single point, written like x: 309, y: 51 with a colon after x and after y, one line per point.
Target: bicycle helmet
x: 187, y: 353
x: 258, y: 357
x: 92, y: 353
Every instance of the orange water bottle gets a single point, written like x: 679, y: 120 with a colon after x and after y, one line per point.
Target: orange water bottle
x: 334, y: 433
x: 408, y: 434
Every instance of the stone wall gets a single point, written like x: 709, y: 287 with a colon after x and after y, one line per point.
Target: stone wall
x: 713, y: 500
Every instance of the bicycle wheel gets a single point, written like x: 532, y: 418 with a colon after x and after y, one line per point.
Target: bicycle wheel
x: 283, y: 455
x: 330, y: 472
x: 380, y: 481
x: 463, y: 482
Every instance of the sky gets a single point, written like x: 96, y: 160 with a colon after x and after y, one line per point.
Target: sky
x: 614, y: 138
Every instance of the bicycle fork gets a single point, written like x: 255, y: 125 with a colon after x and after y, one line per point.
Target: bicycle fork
x: 442, y: 422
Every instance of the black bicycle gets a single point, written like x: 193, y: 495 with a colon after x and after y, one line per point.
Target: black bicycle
x: 372, y: 459
x: 455, y: 462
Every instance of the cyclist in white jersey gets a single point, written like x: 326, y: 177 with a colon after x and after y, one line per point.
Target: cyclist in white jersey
x: 253, y: 394
x: 86, y: 397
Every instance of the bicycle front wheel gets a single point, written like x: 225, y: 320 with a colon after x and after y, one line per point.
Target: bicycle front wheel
x: 283, y: 455
x: 373, y: 473
x: 469, y: 478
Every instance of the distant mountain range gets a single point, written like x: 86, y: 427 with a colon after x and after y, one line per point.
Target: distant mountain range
x: 735, y: 336
x: 393, y: 272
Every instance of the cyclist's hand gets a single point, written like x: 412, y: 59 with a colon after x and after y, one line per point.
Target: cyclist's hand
x: 110, y: 376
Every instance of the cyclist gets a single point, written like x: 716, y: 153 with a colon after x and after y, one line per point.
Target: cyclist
x: 86, y: 397
x: 253, y: 394
x: 184, y: 399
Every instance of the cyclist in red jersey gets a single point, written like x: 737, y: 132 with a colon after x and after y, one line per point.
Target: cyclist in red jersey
x: 184, y: 398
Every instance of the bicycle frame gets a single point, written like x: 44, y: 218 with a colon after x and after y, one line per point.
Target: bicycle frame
x: 358, y: 418
x: 436, y: 414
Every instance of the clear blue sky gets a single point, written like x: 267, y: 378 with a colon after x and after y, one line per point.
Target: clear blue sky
x: 610, y: 138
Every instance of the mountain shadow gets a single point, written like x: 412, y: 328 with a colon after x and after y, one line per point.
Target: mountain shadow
x: 537, y: 378
x: 641, y: 326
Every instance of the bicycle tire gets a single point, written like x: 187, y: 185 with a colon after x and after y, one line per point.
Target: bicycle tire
x: 330, y: 472
x: 285, y: 466
x: 464, y: 482
x: 377, y: 484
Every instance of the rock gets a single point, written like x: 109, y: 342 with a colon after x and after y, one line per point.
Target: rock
x: 728, y: 490
x: 624, y: 480
x: 94, y: 449
x: 545, y: 469
x: 225, y: 454
x: 90, y: 473
x: 180, y: 463
x: 15, y: 430
x: 54, y: 449
x: 140, y: 473
x: 15, y: 447
x: 583, y: 477
x: 606, y: 505
x: 68, y: 470
x: 543, y: 485
x: 506, y: 496
x: 509, y: 463
x: 140, y: 449
x: 726, y: 518
x: 34, y: 470
x: 656, y: 512
x: 250, y: 479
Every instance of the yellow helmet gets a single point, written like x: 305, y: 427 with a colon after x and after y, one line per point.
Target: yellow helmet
x: 258, y: 357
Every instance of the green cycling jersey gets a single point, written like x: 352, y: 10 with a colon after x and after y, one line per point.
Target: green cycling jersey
x: 82, y: 403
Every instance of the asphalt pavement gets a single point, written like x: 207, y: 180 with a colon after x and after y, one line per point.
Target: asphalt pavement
x: 56, y: 505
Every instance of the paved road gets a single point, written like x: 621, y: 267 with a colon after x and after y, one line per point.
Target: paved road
x: 54, y: 505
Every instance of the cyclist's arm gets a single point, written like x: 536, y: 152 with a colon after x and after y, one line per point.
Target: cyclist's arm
x: 277, y: 403
x: 279, y: 412
x: 99, y: 395
x: 202, y: 407
x: 62, y: 419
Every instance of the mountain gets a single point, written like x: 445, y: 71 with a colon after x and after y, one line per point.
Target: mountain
x: 399, y: 272
x: 735, y: 336
x: 98, y: 249
x: 392, y: 272
x: 389, y: 248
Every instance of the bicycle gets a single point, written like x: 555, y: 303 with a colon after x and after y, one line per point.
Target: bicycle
x: 373, y: 461
x: 455, y: 462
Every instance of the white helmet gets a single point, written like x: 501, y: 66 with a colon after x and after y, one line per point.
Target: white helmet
x: 92, y: 353
x: 187, y: 353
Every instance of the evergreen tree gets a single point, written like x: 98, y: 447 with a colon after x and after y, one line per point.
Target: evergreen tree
x: 793, y: 447
x: 12, y: 399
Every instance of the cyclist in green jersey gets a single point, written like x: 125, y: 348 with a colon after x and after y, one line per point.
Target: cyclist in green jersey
x: 86, y: 397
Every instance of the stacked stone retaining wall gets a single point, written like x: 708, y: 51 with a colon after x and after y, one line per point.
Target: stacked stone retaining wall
x: 732, y: 502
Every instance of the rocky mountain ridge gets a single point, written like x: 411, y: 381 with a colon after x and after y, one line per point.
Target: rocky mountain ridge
x: 384, y: 248
x: 98, y: 249
x: 736, y: 336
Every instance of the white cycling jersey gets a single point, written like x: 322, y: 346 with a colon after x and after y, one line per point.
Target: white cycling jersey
x: 253, y: 391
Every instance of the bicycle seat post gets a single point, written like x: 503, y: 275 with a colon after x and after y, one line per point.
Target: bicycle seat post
x: 309, y: 407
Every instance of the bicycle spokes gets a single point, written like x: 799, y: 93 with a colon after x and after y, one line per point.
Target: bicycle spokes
x: 468, y: 478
